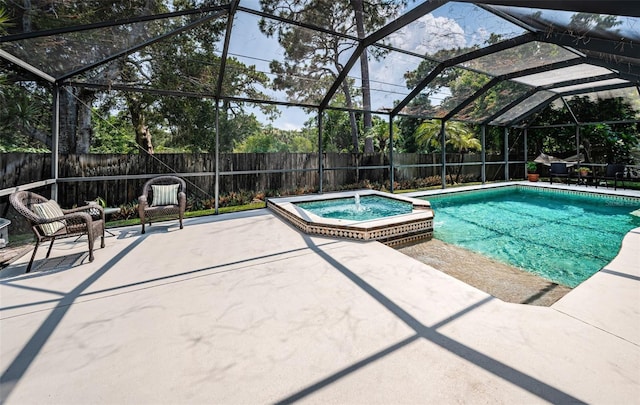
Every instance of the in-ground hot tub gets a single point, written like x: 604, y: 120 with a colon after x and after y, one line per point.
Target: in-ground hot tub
x: 413, y: 224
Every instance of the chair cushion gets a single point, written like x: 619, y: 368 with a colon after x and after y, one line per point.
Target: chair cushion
x: 48, y: 210
x: 165, y: 195
x: 559, y: 168
x: 632, y: 173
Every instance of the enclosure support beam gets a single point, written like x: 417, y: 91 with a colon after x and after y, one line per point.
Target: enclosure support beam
x: 483, y: 153
x: 578, y: 144
x: 225, y: 47
x: 320, y: 168
x: 506, y: 153
x: 421, y: 10
x: 391, y: 176
x: 217, y: 158
x: 526, y: 152
x: 443, y: 145
x: 55, y: 139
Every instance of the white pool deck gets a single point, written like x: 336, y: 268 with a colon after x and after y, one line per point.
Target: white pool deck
x: 244, y: 309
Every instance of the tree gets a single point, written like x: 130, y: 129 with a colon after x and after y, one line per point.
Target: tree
x: 458, y: 135
x: 25, y: 115
x: 379, y: 134
x: 269, y: 139
x: 113, y: 135
x: 186, y: 62
x: 76, y: 104
x: 601, y: 143
x: 317, y: 56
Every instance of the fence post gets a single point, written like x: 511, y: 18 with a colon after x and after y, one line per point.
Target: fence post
x: 391, y: 177
x: 217, y: 158
x: 443, y: 145
x: 55, y: 138
x: 506, y: 154
x: 320, y: 168
x: 483, y: 136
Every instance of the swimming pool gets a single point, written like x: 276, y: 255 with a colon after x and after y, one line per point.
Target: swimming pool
x: 562, y: 236
x: 358, y: 208
x: 413, y: 222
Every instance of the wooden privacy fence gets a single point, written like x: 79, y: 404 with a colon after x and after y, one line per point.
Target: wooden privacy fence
x: 258, y: 172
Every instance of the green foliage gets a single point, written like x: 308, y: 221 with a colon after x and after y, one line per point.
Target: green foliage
x: 313, y: 59
x: 113, y: 135
x: 336, y: 130
x: 459, y: 136
x: 600, y: 143
x: 260, y: 143
x: 25, y: 116
x: 270, y: 139
x: 5, y: 21
x: 379, y: 132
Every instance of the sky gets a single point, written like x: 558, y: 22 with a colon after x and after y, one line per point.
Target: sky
x: 454, y: 25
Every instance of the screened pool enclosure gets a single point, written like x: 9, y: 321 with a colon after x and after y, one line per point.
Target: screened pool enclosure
x: 489, y: 63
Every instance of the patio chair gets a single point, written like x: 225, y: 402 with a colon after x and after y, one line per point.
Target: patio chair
x: 162, y: 197
x: 558, y: 169
x: 50, y: 222
x: 615, y: 172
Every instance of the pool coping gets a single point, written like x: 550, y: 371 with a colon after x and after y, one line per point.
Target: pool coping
x: 392, y: 231
x: 558, y: 187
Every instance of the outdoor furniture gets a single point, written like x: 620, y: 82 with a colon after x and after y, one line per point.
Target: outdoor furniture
x: 162, y: 197
x: 4, y: 232
x: 50, y: 222
x: 631, y: 174
x: 615, y: 172
x: 558, y: 169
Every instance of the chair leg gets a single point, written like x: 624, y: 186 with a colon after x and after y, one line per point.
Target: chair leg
x: 33, y: 255
x: 91, y: 242
x: 50, y: 246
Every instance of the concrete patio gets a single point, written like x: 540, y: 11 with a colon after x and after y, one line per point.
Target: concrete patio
x: 244, y: 309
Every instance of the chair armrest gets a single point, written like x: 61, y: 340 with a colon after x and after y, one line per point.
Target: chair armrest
x: 94, y: 210
x: 37, y: 220
x: 79, y: 217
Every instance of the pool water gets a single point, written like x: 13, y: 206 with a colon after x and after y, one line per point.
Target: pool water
x: 369, y: 207
x: 562, y: 237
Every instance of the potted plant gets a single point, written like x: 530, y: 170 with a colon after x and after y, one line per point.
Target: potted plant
x: 532, y: 169
x: 584, y: 171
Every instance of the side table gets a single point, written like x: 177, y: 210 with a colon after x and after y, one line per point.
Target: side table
x: 107, y: 212
x: 587, y: 180
x: 110, y: 211
x: 4, y: 232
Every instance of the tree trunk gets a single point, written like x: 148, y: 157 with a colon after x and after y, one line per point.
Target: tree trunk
x: 75, y: 120
x: 364, y: 70
x: 352, y: 117
x: 139, y: 121
x: 84, y: 133
x: 26, y: 17
x: 459, y: 172
x: 68, y: 120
